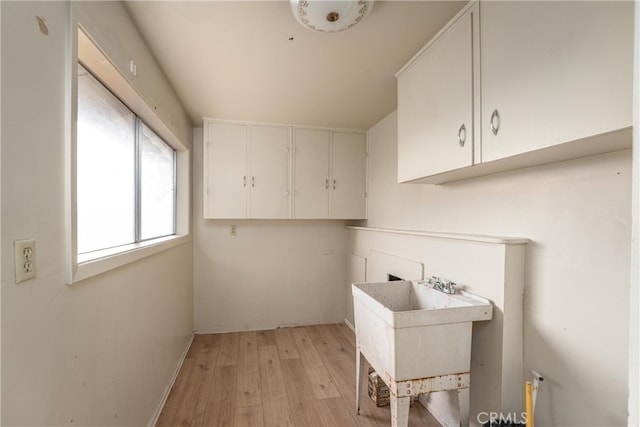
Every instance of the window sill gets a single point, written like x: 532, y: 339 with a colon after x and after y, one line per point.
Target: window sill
x: 94, y: 263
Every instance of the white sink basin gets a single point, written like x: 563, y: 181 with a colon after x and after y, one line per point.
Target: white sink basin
x: 403, y: 304
x: 411, y: 330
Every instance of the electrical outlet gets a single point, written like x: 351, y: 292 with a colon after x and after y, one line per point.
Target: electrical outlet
x: 25, y: 259
x: 234, y: 230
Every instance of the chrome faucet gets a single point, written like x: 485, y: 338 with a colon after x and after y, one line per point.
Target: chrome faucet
x: 442, y: 285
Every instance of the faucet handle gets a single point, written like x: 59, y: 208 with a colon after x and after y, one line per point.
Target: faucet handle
x: 443, y: 285
x: 451, y: 287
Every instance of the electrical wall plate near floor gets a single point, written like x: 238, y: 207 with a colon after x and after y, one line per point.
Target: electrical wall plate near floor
x: 25, y: 259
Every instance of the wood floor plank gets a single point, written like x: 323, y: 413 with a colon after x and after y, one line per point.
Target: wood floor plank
x: 346, y: 332
x: 249, y: 416
x: 211, y: 340
x: 266, y: 338
x: 228, y: 353
x: 305, y: 409
x: 323, y: 386
x: 331, y: 344
x: 286, y: 347
x: 275, y: 405
x: 248, y: 381
x: 202, y: 399
x: 336, y: 412
x: 195, y: 346
x: 221, y: 404
x: 343, y: 374
x: 307, y: 350
x: 316, y: 333
x: 194, y: 388
x: 174, y: 400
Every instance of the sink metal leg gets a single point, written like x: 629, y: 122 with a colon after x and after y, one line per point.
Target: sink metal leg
x: 463, y: 401
x: 359, y: 377
x: 399, y: 411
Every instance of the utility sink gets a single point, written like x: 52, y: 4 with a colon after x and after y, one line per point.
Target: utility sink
x: 417, y: 338
x: 404, y: 304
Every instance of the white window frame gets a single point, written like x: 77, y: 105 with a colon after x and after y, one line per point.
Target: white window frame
x: 84, y: 266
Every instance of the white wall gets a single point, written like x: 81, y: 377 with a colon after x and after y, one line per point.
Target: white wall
x: 273, y: 273
x: 100, y: 352
x: 578, y: 217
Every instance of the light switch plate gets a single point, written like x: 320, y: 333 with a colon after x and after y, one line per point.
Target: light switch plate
x: 25, y: 259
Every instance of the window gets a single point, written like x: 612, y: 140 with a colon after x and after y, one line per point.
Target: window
x: 125, y: 173
x: 127, y: 165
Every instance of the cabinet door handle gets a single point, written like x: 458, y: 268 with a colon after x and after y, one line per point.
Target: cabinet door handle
x: 462, y: 135
x: 253, y: 181
x: 334, y: 184
x: 244, y: 181
x: 494, y: 123
x: 326, y: 184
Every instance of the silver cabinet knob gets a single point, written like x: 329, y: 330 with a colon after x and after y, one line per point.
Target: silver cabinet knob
x: 462, y: 135
x: 494, y: 123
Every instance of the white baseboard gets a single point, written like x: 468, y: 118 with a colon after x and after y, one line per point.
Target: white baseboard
x: 165, y: 395
x: 436, y: 411
x: 350, y: 325
x: 433, y: 411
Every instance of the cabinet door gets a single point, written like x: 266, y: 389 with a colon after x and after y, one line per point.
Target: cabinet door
x: 554, y: 72
x: 435, y: 101
x: 269, y: 171
x: 311, y: 174
x: 225, y: 171
x: 348, y: 182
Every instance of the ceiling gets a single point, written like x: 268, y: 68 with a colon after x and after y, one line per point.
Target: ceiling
x: 251, y: 60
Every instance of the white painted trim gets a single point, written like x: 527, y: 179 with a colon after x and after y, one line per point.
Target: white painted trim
x: 350, y: 325
x: 227, y: 330
x: 295, y: 126
x: 634, y: 291
x: 172, y: 380
x: 93, y: 56
x: 90, y: 265
x: 433, y: 410
x: 502, y: 240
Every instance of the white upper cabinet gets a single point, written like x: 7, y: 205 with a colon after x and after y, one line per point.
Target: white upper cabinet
x: 553, y: 72
x: 550, y: 81
x: 311, y: 173
x: 246, y: 171
x: 435, y: 110
x: 269, y: 152
x: 349, y: 176
x: 329, y: 174
x: 225, y: 171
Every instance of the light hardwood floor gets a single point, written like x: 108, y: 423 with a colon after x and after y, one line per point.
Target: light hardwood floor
x: 302, y: 376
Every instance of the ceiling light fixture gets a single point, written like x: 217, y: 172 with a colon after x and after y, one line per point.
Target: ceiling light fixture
x: 330, y: 16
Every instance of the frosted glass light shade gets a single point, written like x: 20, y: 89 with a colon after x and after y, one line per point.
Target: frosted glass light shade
x: 330, y: 16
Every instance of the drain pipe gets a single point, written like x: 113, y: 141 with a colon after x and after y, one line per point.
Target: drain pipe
x: 537, y: 379
x: 531, y: 393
